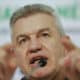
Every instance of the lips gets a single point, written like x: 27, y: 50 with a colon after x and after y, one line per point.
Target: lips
x: 41, y: 60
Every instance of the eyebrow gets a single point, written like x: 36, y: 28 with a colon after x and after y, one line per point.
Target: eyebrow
x: 45, y: 29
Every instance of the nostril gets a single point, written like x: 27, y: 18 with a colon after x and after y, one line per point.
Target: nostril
x: 35, y: 50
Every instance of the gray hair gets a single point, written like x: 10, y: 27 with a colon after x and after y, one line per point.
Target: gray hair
x: 36, y: 8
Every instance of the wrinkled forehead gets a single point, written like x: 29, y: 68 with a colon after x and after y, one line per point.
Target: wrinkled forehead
x: 34, y: 23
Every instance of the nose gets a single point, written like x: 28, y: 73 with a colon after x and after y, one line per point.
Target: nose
x: 35, y: 46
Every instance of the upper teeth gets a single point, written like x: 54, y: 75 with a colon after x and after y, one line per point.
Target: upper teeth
x: 39, y: 60
x: 34, y: 60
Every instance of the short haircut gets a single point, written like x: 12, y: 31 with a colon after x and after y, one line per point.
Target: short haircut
x: 27, y: 10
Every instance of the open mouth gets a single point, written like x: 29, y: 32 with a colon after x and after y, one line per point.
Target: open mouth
x: 40, y: 60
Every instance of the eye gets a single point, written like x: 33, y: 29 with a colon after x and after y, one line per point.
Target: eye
x: 23, y: 41
x: 45, y: 34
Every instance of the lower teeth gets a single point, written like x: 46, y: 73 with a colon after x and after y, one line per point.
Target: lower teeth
x: 42, y: 62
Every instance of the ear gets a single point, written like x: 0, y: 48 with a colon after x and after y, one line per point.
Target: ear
x: 67, y: 43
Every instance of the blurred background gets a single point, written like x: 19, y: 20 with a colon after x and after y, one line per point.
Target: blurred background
x: 68, y: 10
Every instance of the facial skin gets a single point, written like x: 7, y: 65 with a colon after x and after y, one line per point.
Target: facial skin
x: 37, y: 35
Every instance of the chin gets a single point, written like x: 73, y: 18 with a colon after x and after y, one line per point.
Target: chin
x: 44, y: 72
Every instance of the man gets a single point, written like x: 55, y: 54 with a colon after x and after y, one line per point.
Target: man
x: 7, y: 62
x: 37, y: 36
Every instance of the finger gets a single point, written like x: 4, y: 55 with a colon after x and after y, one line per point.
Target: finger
x: 69, y: 70
x: 65, y: 62
x: 77, y: 65
x: 71, y: 67
x: 68, y: 44
x: 9, y: 48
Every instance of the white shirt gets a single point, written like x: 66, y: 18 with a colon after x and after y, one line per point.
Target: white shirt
x: 17, y: 74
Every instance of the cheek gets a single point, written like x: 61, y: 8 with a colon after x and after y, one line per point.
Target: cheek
x: 21, y: 52
x: 22, y: 59
x: 59, y: 51
x: 54, y: 47
x: 50, y: 44
x: 21, y: 55
x: 51, y: 47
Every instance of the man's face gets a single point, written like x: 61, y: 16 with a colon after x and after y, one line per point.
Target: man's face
x: 38, y: 45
